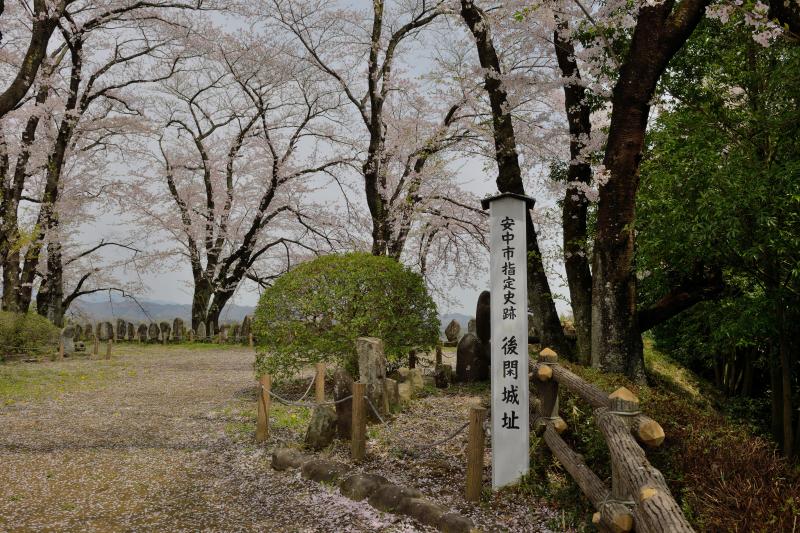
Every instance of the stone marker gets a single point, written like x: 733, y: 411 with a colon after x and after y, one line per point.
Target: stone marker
x: 88, y: 333
x: 322, y: 427
x: 372, y: 372
x: 342, y: 388
x: 105, y: 331
x: 509, y: 342
x: 68, y: 339
x: 405, y: 391
x: 224, y: 332
x: 191, y: 335
x: 178, y: 330
x: 416, y: 378
x: 483, y: 318
x: 443, y: 376
x: 78, y: 333
x: 472, y: 327
x: 472, y: 361
x: 452, y: 331
x: 235, y: 333
x: 141, y: 332
x: 131, y: 331
x: 201, y: 331
x: 166, y: 329
x: 246, y: 330
x: 153, y: 333
x: 122, y: 329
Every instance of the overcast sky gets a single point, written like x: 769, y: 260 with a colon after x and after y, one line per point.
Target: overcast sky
x: 173, y: 283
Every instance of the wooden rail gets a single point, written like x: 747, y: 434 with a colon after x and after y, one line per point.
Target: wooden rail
x: 639, y: 497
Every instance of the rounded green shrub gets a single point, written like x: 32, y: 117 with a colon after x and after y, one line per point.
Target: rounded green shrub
x: 316, y: 311
x: 26, y: 334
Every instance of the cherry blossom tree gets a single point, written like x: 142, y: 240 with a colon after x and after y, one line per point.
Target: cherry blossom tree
x: 242, y: 137
x: 407, y: 123
x: 78, y: 106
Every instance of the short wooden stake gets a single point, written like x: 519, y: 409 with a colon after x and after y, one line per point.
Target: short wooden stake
x: 547, y: 391
x: 319, y: 382
x: 358, y: 439
x: 250, y: 340
x: 264, y: 401
x: 108, y: 349
x: 477, y: 437
x: 61, y: 349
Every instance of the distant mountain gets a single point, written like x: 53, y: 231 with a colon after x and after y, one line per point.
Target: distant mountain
x: 95, y: 309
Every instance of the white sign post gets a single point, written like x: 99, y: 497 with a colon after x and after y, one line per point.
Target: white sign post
x: 509, y: 337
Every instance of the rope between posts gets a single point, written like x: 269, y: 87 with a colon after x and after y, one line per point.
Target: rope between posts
x: 427, y: 447
x: 299, y: 403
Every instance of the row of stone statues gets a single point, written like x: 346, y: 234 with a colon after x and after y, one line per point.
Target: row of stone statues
x: 176, y: 331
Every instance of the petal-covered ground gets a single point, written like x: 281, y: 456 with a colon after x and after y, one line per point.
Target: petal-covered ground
x: 161, y: 439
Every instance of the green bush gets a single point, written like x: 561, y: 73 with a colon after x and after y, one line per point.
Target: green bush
x: 316, y: 311
x: 26, y: 334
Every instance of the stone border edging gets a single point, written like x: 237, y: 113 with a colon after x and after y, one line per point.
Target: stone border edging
x: 379, y: 492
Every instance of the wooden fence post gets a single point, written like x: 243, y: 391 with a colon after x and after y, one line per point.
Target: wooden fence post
x: 319, y: 382
x: 475, y: 444
x: 547, y: 390
x: 358, y: 439
x: 108, y: 349
x: 625, y: 404
x: 264, y: 401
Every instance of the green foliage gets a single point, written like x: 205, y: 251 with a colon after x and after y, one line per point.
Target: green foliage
x: 316, y: 312
x: 719, y: 193
x: 27, y: 334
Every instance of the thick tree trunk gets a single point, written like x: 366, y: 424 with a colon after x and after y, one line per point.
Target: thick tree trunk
x: 42, y: 30
x: 50, y: 298
x: 576, y: 205
x: 776, y: 398
x: 11, y: 289
x: 660, y: 31
x: 509, y: 179
x: 784, y: 351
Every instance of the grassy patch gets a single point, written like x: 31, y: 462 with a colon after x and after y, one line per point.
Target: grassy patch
x: 21, y: 382
x: 288, y: 417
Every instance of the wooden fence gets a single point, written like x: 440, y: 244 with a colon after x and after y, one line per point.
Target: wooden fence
x: 639, y: 497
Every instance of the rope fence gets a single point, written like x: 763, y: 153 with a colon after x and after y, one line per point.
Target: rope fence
x: 478, y: 425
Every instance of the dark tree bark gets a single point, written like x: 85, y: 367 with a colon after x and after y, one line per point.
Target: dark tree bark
x: 788, y: 14
x: 42, y: 30
x: 661, y: 30
x: 509, y: 178
x: 576, y: 205
x: 701, y: 286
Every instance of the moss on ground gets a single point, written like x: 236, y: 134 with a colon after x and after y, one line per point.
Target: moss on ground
x: 21, y: 382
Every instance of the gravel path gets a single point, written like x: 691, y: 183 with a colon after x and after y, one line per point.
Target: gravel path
x: 155, y: 448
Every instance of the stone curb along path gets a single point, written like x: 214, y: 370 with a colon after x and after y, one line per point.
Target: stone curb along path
x: 377, y: 490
